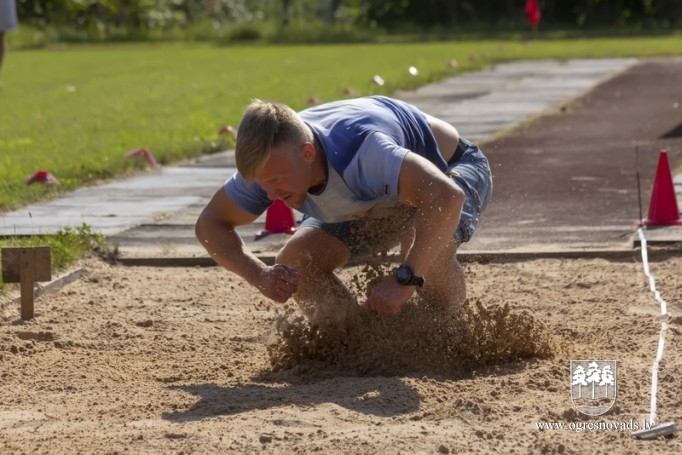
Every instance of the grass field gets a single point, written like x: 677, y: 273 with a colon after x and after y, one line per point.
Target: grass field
x: 76, y: 111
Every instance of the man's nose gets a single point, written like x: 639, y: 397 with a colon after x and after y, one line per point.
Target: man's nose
x: 273, y: 193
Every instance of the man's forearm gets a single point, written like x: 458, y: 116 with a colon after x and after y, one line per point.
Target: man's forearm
x: 226, y: 247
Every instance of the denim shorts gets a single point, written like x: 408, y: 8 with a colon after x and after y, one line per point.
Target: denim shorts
x: 471, y: 173
x: 469, y: 169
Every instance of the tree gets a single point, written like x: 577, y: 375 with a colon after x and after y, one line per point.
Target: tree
x: 386, y: 14
x: 607, y: 378
x: 579, y: 379
x: 593, y: 375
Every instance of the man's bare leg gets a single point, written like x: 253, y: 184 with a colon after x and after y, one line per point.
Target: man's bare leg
x: 323, y: 298
x: 445, y: 282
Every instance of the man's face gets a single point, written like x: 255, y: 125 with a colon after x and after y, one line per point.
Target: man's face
x: 286, y: 175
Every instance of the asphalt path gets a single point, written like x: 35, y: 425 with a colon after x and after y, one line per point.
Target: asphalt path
x: 569, y: 178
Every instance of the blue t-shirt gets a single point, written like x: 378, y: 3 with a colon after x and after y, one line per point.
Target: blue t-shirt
x: 365, y: 141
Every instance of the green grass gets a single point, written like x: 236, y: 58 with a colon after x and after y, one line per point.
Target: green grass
x: 67, y: 245
x: 75, y: 111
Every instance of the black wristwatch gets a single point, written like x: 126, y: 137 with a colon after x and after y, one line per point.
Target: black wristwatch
x: 406, y: 277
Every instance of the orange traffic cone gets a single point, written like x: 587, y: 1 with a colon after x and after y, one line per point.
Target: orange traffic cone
x: 279, y: 219
x: 663, y: 209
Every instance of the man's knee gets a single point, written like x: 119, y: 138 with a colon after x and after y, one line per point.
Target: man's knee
x: 293, y: 254
x: 313, y: 248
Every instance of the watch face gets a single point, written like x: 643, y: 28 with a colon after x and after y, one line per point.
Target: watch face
x: 403, y: 275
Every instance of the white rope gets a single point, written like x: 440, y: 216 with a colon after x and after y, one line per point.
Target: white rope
x: 664, y: 318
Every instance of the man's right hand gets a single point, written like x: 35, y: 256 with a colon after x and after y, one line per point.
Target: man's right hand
x: 279, y: 282
x: 215, y: 230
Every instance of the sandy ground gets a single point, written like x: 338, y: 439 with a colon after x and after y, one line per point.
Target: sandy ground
x: 189, y: 360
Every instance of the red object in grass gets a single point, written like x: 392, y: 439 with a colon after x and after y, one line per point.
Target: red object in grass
x: 42, y: 177
x: 143, y: 152
x: 228, y: 129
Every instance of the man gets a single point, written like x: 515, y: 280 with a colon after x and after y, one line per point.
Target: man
x: 368, y: 174
x: 8, y: 21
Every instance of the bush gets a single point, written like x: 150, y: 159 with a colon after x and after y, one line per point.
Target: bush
x: 324, y: 33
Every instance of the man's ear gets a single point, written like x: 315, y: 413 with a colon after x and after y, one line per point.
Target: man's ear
x: 308, y: 152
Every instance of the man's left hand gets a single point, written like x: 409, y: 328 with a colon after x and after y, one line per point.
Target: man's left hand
x: 388, y: 297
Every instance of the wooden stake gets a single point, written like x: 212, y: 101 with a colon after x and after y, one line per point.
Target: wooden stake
x: 26, y: 266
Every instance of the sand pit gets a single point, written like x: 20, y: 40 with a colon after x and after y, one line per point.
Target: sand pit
x: 189, y: 360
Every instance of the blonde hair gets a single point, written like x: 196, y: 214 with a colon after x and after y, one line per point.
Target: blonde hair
x: 263, y: 126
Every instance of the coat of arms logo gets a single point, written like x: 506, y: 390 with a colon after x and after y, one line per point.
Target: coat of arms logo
x: 593, y: 386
